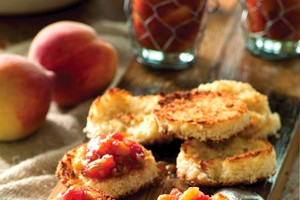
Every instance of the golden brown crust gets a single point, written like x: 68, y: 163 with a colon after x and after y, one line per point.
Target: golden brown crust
x: 236, y: 161
x: 64, y: 170
x: 188, y: 104
x: 263, y: 121
x: 202, y: 115
x: 119, y: 110
x: 117, y: 187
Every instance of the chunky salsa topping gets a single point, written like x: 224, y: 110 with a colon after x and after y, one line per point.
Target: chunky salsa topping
x: 112, y: 156
x: 192, y: 193
x: 80, y: 192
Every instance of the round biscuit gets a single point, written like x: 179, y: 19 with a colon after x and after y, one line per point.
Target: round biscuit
x: 202, y: 115
x: 232, y: 162
x: 118, y: 110
x: 263, y: 121
x: 116, y: 187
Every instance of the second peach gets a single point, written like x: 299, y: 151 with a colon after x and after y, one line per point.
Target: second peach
x: 84, y: 63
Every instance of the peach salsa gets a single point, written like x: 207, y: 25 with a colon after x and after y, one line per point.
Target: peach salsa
x: 192, y: 193
x: 111, y: 156
x: 83, y: 193
x: 110, y: 163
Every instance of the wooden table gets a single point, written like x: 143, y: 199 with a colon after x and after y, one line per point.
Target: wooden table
x: 222, y: 55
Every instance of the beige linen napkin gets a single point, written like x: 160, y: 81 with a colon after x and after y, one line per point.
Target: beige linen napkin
x: 27, y: 166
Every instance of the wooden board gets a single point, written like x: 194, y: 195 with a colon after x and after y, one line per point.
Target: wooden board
x: 222, y: 55
x: 286, y: 146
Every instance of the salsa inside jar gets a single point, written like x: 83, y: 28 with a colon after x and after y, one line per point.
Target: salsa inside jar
x: 112, y: 156
x: 169, y: 26
x: 274, y: 19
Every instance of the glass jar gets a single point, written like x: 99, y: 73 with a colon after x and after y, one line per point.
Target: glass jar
x: 165, y: 34
x: 272, y: 28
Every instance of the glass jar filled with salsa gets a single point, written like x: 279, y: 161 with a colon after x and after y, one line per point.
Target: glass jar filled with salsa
x: 272, y: 27
x: 166, y: 33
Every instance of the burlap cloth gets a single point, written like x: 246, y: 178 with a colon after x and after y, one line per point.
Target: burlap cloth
x: 27, y: 166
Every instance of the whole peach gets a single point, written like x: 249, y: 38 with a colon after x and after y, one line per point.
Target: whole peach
x: 83, y: 63
x: 25, y: 96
